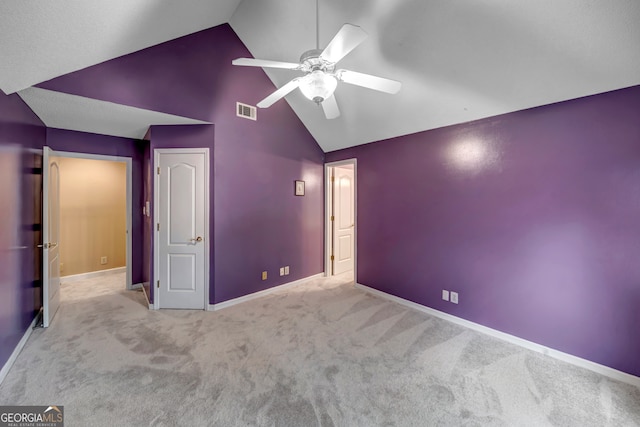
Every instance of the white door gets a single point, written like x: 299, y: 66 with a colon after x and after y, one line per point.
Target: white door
x: 50, y: 236
x: 183, y: 224
x: 343, y: 219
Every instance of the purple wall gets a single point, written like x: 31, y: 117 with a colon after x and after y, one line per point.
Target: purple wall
x: 90, y: 143
x: 20, y: 286
x: 533, y: 217
x: 259, y: 223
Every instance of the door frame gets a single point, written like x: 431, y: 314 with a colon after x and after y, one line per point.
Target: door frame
x: 129, y: 196
x: 156, y: 219
x: 328, y: 204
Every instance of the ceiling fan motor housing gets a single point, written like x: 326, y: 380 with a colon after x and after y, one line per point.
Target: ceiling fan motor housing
x: 312, y: 61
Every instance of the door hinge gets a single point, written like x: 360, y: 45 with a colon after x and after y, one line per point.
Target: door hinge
x: 333, y: 178
x: 158, y: 227
x: 332, y: 258
x: 158, y: 170
x: 332, y: 218
x: 158, y: 284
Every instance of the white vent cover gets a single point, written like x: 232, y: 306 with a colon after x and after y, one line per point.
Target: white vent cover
x: 246, y: 111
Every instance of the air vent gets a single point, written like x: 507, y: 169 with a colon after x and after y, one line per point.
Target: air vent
x: 246, y: 111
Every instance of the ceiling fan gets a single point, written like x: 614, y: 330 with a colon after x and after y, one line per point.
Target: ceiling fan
x: 321, y: 78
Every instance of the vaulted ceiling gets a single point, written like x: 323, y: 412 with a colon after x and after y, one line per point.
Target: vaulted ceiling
x: 457, y: 60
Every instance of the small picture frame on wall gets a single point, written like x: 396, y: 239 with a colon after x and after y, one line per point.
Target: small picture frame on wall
x: 299, y: 188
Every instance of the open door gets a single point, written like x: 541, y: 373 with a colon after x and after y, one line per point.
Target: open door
x: 50, y: 236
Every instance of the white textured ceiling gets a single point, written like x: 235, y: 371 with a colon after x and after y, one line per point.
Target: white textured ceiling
x: 63, y: 111
x: 43, y: 39
x: 458, y: 60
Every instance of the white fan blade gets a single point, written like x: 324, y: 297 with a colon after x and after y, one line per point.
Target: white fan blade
x: 347, y: 39
x: 252, y: 62
x: 280, y: 93
x: 330, y: 108
x: 369, y: 81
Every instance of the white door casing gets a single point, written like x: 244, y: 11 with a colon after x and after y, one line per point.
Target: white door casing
x: 50, y: 236
x: 344, y: 219
x: 182, y: 231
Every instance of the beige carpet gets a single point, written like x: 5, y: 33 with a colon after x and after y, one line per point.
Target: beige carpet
x: 322, y: 353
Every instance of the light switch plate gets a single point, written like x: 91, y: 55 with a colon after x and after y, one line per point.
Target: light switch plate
x: 454, y: 297
x: 445, y: 295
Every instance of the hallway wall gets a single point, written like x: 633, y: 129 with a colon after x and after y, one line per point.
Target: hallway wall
x: 93, y: 219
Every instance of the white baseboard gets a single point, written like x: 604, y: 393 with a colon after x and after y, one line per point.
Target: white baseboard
x: 136, y: 286
x: 16, y: 351
x: 245, y: 298
x: 556, y: 354
x: 91, y: 274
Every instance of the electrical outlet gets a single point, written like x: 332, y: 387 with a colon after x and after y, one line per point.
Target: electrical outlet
x: 282, y: 271
x: 445, y: 295
x: 286, y: 270
x: 103, y: 260
x: 454, y: 297
x: 264, y: 275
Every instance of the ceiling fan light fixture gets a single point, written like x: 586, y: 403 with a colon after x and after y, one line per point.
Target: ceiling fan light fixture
x: 318, y: 86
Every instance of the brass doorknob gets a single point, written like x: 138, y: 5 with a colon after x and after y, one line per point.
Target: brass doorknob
x: 197, y: 239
